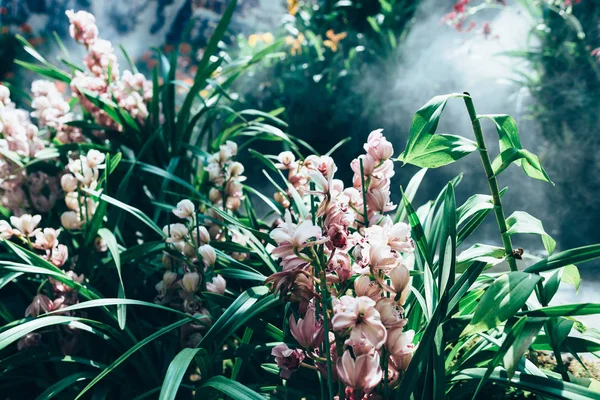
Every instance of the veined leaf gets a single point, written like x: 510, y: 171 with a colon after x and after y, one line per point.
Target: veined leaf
x: 533, y: 168
x: 522, y: 222
x: 501, y: 301
x: 491, y: 255
x: 564, y: 258
x: 438, y: 150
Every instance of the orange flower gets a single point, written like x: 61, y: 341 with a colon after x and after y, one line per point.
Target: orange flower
x: 257, y: 38
x: 293, y: 6
x: 333, y: 39
x: 296, y: 44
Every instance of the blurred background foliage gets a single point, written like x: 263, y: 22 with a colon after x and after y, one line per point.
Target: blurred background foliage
x: 341, y: 68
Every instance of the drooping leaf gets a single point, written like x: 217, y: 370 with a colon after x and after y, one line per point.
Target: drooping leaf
x: 531, y: 163
x: 521, y: 222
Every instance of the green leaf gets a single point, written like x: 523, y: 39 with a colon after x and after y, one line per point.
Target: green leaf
x: 427, y: 150
x: 175, y: 373
x: 63, y: 384
x: 501, y: 301
x: 111, y: 243
x: 490, y: 255
x: 522, y: 222
x: 125, y: 207
x: 410, y: 192
x: 566, y: 310
x: 506, y: 126
x: 522, y: 342
x: 567, y: 257
x: 240, y: 311
x: 571, y: 276
x: 539, y: 385
x: 447, y: 254
x: 532, y: 167
x: 131, y: 351
x: 439, y: 150
x: 510, y: 338
x: 233, y: 389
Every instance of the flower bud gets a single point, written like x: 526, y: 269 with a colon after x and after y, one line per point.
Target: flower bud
x: 208, y: 254
x: 185, y: 209
x: 190, y: 282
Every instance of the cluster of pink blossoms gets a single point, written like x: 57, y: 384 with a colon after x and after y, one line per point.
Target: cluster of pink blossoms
x: 84, y: 172
x: 190, y: 265
x: 350, y: 239
x: 44, y: 242
x: 22, y: 191
x: 53, y: 112
x: 226, y: 177
x: 131, y: 91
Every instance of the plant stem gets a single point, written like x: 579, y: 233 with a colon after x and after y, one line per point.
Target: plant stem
x: 492, y: 182
x: 364, y: 193
x: 326, y: 302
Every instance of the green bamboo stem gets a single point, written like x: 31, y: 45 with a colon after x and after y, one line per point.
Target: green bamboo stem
x: 492, y: 182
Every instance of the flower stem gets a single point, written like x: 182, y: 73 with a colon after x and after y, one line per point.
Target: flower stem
x: 326, y: 303
x: 492, y: 182
x: 364, y: 193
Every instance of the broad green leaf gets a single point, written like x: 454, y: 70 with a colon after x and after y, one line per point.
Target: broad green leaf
x: 439, y: 150
x: 507, y: 343
x: 521, y: 222
x: 530, y: 162
x: 232, y: 389
x: 571, y: 276
x: 491, y: 255
x: 567, y: 257
x: 111, y: 243
x: 425, y: 122
x: 522, y: 342
x: 175, y: 373
x: 501, y: 301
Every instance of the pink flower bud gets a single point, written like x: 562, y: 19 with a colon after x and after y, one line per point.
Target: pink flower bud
x: 362, y: 374
x: 308, y: 331
x: 190, y: 282
x: 59, y: 255
x: 363, y: 286
x: 217, y: 285
x: 378, y: 147
x: 400, y: 277
x: 400, y: 346
x: 208, y: 254
x: 185, y: 209
x: 41, y: 304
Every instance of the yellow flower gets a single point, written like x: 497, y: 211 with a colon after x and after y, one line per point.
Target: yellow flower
x: 293, y: 6
x: 253, y: 40
x: 333, y: 39
x: 257, y: 38
x: 296, y: 44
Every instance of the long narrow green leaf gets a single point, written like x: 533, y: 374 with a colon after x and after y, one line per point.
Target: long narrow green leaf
x: 111, y: 243
x: 233, y: 389
x: 175, y: 373
x: 129, y: 352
